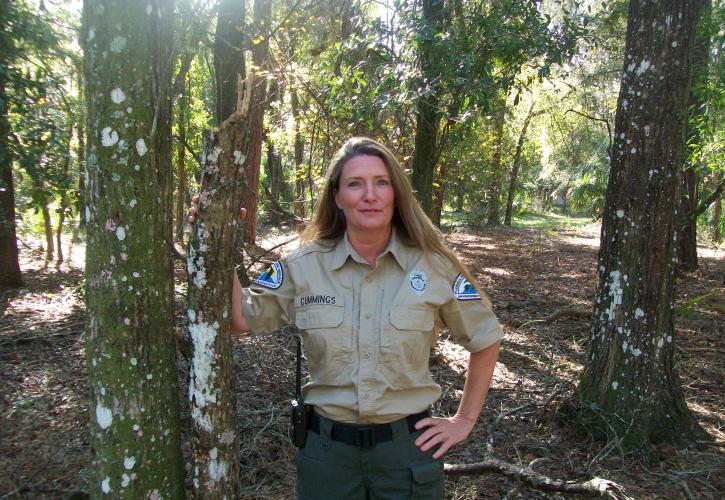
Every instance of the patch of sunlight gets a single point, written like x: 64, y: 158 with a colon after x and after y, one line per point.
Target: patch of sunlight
x: 497, y: 271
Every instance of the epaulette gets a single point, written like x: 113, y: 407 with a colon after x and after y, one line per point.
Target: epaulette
x: 314, y: 247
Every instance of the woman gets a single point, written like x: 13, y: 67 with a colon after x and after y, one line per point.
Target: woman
x: 369, y: 291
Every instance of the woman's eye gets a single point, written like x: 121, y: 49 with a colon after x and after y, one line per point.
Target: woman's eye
x: 383, y: 182
x: 353, y: 183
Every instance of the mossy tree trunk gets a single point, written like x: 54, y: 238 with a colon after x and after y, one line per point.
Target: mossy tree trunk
x: 496, y: 174
x: 630, y: 388
x: 9, y: 263
x: 514, y: 177
x: 299, y: 145
x: 210, y: 265
x: 130, y: 349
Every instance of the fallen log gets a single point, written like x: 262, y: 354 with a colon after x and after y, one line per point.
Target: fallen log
x: 595, y: 486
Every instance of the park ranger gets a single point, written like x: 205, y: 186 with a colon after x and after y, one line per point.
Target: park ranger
x: 369, y: 291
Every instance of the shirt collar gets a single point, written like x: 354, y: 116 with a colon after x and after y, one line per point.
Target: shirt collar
x: 344, y: 249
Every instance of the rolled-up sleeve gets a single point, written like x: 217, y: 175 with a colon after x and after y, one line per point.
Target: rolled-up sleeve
x: 269, y: 306
x: 471, y: 322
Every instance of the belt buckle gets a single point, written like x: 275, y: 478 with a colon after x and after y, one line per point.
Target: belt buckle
x: 365, y: 438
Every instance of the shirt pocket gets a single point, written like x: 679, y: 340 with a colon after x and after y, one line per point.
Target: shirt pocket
x: 405, y: 343
x: 327, y: 338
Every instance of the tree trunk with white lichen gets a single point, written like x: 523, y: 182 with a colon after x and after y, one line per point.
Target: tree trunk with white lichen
x: 630, y: 389
x: 210, y: 265
x: 130, y: 349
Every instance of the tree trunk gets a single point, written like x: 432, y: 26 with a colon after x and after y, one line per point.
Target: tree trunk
x: 211, y: 260
x: 427, y: 112
x: 63, y: 206
x: 181, y: 167
x: 299, y: 203
x: 439, y: 193
x: 228, y: 56
x: 48, y: 230
x: 514, y: 179
x: 494, y: 193
x: 275, y: 176
x: 260, y: 58
x: 630, y: 388
x: 130, y: 349
x: 80, y: 197
x: 687, y: 242
x: 9, y: 263
x: 716, y: 210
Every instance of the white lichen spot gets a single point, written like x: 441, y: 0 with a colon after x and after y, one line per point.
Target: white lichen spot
x: 643, y: 66
x: 615, y: 384
x: 149, y: 376
x: 117, y: 96
x: 217, y: 469
x: 129, y: 462
x: 137, y: 167
x: 191, y: 314
x: 638, y: 313
x: 239, y: 158
x: 155, y: 495
x: 636, y: 352
x: 114, y: 176
x: 674, y: 44
x: 109, y: 137
x: 88, y: 214
x: 201, y: 381
x: 120, y: 233
x: 104, y: 416
x: 136, y: 275
x: 125, y: 480
x: 149, y: 9
x: 106, y: 485
x: 118, y: 44
x: 631, y: 67
x: 660, y: 343
x: 227, y: 438
x: 669, y: 339
x: 141, y: 147
x: 91, y: 34
x: 620, y: 214
x: 134, y: 361
x: 132, y: 203
x: 615, y: 292
x: 624, y: 346
x: 136, y: 427
x: 633, y: 150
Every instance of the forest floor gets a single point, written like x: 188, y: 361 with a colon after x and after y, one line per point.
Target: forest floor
x: 530, y: 272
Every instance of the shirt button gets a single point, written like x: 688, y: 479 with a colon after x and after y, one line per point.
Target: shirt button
x: 366, y: 355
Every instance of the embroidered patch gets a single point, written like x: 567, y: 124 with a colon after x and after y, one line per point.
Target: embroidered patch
x: 272, y: 277
x: 418, y: 282
x: 463, y: 289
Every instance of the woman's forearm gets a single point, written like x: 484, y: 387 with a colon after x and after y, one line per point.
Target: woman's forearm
x: 239, y: 324
x: 481, y: 365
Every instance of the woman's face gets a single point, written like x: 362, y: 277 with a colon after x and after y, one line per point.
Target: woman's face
x: 365, y: 194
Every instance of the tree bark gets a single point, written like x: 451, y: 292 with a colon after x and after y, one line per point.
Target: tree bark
x: 211, y: 260
x: 275, y: 176
x: 47, y: 230
x: 514, y: 178
x: 494, y: 193
x: 687, y: 241
x: 630, y: 388
x: 427, y: 108
x: 63, y: 205
x: 716, y: 210
x: 260, y: 59
x: 130, y: 349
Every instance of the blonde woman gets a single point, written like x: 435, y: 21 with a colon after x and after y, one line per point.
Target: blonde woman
x: 369, y: 290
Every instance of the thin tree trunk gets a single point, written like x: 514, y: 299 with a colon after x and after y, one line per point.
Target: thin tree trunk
x: 439, y: 194
x: 494, y: 192
x: 130, y: 349
x: 211, y: 260
x: 181, y: 167
x: 228, y: 56
x: 48, y: 231
x: 514, y: 178
x: 630, y: 388
x: 716, y: 209
x: 9, y: 263
x: 275, y: 178
x: 63, y: 202
x: 427, y: 112
x: 260, y: 58
x: 299, y: 147
x: 687, y: 238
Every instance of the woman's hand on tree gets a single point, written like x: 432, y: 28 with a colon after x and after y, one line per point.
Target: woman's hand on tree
x: 195, y: 208
x: 445, y: 432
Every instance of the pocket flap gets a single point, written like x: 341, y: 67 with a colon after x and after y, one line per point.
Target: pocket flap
x: 412, y: 318
x: 426, y: 472
x: 320, y: 316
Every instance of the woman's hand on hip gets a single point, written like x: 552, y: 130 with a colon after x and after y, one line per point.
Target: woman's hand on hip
x: 445, y: 432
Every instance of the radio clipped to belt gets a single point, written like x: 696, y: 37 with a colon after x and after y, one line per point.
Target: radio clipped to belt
x: 300, y: 411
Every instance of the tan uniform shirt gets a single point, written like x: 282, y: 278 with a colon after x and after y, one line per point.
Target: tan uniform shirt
x: 367, y: 333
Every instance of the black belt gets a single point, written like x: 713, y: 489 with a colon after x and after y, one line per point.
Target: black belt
x: 364, y: 435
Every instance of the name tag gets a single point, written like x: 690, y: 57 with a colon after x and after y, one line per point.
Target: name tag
x: 317, y: 299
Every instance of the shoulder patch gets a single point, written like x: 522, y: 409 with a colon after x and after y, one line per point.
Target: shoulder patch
x: 463, y: 289
x: 272, y: 277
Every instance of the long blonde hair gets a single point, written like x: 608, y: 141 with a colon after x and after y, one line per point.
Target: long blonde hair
x: 414, y: 226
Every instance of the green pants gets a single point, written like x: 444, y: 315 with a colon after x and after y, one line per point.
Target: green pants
x: 391, y: 470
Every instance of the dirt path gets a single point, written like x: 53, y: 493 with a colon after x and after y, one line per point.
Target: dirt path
x: 528, y: 274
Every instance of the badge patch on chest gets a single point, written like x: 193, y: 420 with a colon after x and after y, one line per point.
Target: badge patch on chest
x: 463, y: 289
x: 418, y: 282
x: 272, y: 277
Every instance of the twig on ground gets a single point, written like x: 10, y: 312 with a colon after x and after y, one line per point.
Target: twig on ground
x: 595, y: 486
x: 568, y: 312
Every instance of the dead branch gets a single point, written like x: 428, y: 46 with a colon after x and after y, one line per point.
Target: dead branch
x: 567, y: 312
x: 595, y: 486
